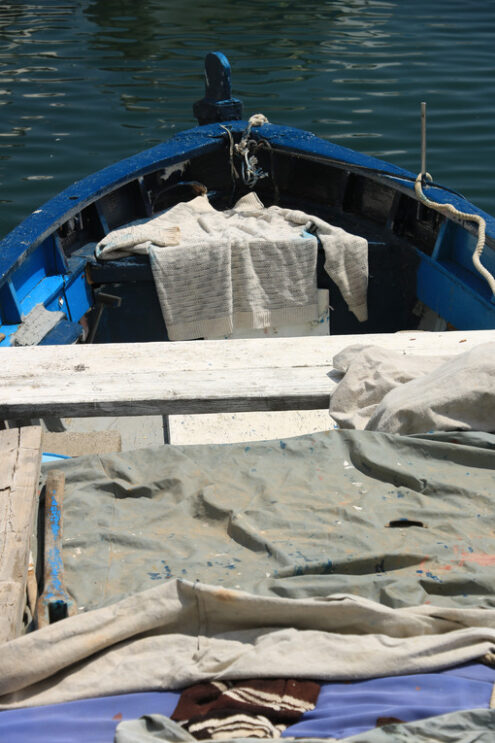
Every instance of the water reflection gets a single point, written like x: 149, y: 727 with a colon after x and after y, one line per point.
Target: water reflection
x: 84, y: 84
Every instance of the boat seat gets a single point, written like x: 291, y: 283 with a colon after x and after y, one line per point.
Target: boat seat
x: 137, y: 267
x: 64, y: 333
x: 132, y: 268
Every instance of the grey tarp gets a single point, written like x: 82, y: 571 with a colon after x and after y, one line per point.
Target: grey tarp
x: 473, y: 726
x: 322, y: 515
x: 400, y: 520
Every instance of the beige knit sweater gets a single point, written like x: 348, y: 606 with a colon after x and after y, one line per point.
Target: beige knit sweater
x: 247, y: 267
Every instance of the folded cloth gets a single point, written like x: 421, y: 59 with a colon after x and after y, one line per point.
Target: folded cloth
x: 459, y: 395
x: 243, y: 268
x: 386, y: 391
x: 137, y: 238
x: 370, y: 373
x: 258, y: 708
x: 247, y: 267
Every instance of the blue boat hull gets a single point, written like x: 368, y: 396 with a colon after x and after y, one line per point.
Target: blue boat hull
x: 416, y: 254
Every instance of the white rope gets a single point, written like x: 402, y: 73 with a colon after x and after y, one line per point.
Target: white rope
x: 449, y: 209
x: 251, y: 174
x: 257, y: 120
x: 233, y: 172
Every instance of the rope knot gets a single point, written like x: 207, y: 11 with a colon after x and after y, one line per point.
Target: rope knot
x: 251, y: 174
x: 257, y: 120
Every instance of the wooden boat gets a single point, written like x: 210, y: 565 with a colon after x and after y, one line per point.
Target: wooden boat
x: 421, y: 274
x: 420, y: 258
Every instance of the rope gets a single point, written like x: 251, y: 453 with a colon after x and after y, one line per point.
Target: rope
x: 251, y: 174
x: 233, y: 172
x: 450, y: 210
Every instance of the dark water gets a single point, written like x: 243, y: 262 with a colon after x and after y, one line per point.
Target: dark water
x: 85, y: 83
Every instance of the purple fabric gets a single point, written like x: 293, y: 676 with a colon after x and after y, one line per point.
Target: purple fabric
x: 345, y: 709
x: 342, y: 709
x: 84, y: 721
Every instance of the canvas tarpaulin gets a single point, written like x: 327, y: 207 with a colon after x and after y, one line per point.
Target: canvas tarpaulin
x: 474, y: 726
x: 385, y: 390
x: 335, y: 520
x: 400, y: 520
x: 182, y: 633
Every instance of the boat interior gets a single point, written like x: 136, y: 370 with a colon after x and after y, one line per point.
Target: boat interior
x: 399, y: 231
x: 420, y: 269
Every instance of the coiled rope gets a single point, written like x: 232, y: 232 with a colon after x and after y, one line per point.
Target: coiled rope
x: 450, y: 210
x: 251, y: 174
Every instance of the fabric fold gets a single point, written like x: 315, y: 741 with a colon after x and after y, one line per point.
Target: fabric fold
x: 159, y: 640
x: 248, y: 267
x: 386, y: 391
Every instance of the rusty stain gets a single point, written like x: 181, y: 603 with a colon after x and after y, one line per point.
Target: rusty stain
x: 463, y: 340
x: 118, y: 716
x: 225, y: 595
x: 423, y: 561
x: 480, y: 558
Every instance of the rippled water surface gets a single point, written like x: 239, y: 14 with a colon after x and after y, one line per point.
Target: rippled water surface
x: 85, y: 83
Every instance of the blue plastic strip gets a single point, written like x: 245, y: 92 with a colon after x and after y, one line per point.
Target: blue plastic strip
x: 49, y: 457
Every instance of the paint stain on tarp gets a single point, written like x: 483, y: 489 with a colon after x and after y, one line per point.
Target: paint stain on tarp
x: 483, y: 559
x: 164, y: 574
x: 480, y: 558
x: 433, y: 577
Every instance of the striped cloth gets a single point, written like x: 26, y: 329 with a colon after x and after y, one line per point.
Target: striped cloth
x: 249, y: 267
x: 259, y: 708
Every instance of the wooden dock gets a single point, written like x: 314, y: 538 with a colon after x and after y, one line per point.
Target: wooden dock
x: 20, y: 452
x: 159, y: 379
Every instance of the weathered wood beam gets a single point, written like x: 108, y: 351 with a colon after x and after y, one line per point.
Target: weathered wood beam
x: 20, y: 456
x: 191, y: 377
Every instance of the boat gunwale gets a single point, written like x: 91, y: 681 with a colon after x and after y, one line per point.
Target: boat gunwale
x: 32, y: 231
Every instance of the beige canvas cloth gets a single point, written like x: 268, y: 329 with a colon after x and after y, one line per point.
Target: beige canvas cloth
x: 247, y: 267
x: 182, y: 633
x: 384, y: 390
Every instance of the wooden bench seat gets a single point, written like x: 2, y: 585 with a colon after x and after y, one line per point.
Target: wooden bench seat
x: 191, y: 377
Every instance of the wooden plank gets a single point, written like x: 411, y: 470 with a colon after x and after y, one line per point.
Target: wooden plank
x: 54, y: 603
x: 20, y: 454
x: 191, y: 377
